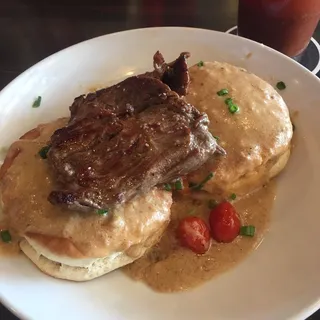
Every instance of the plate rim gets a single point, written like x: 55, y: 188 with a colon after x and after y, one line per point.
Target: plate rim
x: 12, y: 82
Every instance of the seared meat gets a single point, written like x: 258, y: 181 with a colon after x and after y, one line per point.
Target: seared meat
x: 121, y: 100
x: 124, y: 140
x: 174, y: 74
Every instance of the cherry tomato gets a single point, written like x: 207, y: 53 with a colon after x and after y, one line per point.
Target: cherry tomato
x: 194, y: 234
x: 224, y: 222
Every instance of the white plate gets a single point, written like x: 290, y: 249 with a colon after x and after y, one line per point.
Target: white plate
x: 280, y: 280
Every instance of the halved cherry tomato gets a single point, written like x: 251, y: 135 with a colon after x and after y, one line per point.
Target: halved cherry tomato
x: 194, y: 234
x: 224, y: 222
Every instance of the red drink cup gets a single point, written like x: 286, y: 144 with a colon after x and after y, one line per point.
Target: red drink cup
x: 285, y: 25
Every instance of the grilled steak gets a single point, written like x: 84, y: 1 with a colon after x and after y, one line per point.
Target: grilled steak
x: 175, y: 74
x: 124, y: 140
x: 126, y: 103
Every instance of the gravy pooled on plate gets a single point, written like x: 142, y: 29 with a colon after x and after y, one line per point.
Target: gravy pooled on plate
x: 168, y: 267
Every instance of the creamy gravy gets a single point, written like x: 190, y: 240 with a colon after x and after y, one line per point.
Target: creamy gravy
x: 256, y: 139
x: 11, y: 248
x: 168, y: 267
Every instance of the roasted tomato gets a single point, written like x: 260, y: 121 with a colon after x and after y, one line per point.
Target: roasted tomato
x: 194, y: 234
x: 224, y: 222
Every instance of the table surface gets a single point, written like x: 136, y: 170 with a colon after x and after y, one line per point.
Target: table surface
x: 32, y: 30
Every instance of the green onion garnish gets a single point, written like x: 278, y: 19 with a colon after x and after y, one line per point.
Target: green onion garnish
x: 216, y: 137
x: 44, y: 151
x: 192, y: 185
x: 5, y: 236
x: 212, y: 203
x: 178, y: 185
x: 233, y: 108
x: 167, y: 187
x: 222, y: 92
x: 228, y: 102
x: 191, y: 212
x: 37, y: 102
x: 281, y: 85
x: 233, y: 196
x: 200, y: 64
x: 247, y: 231
x: 202, y: 183
x: 102, y: 212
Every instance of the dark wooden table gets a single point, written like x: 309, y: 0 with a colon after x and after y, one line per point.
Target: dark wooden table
x: 32, y: 30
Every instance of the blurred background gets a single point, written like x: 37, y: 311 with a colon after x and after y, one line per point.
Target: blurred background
x: 32, y: 30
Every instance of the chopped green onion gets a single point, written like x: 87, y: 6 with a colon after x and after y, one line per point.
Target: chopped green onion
x: 5, y: 236
x: 178, y: 185
x: 216, y: 137
x: 222, y: 92
x: 200, y: 64
x: 212, y: 203
x: 281, y: 85
x: 192, y: 212
x: 233, y: 196
x: 247, y: 231
x: 102, y: 212
x: 228, y: 102
x: 44, y: 151
x: 202, y: 183
x: 37, y: 102
x: 167, y: 187
x: 233, y: 108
